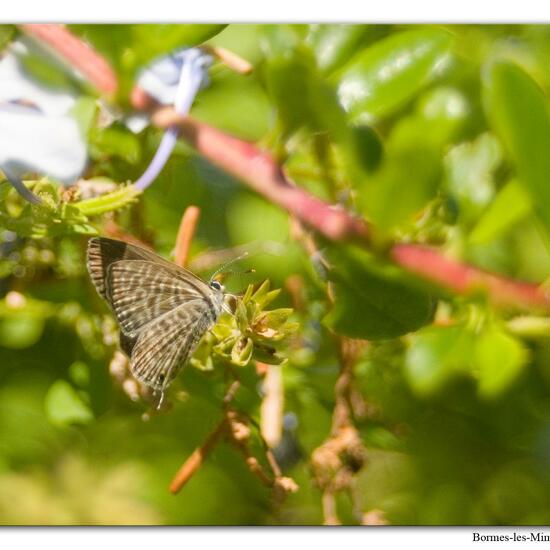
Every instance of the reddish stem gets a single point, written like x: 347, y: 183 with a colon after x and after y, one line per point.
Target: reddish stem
x: 259, y: 171
x: 77, y: 53
x: 462, y: 278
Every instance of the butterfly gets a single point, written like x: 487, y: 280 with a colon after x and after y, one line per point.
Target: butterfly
x: 163, y: 310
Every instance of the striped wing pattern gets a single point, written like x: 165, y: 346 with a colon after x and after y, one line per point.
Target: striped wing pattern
x: 163, y: 310
x: 140, y: 292
x: 165, y: 345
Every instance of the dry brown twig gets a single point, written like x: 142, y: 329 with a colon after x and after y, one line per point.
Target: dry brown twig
x: 235, y: 426
x: 230, y: 59
x: 338, y: 460
x: 272, y: 407
x: 200, y: 454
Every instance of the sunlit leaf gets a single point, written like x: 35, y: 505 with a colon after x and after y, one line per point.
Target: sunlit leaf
x: 411, y: 167
x: 64, y: 405
x: 519, y: 111
x: 20, y: 331
x: 334, y: 44
x: 392, y: 71
x: 499, y: 359
x: 436, y: 355
x: 511, y: 204
x: 470, y: 171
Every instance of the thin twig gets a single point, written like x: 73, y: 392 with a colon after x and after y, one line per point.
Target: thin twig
x: 112, y: 229
x: 271, y: 410
x: 197, y: 458
x: 239, y: 437
x: 328, y: 502
x: 200, y: 454
x: 186, y: 233
x: 230, y: 59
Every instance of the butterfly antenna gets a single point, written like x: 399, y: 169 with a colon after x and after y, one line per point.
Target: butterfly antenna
x: 226, y: 264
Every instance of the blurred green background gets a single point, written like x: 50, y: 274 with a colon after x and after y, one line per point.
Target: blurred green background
x: 435, y: 134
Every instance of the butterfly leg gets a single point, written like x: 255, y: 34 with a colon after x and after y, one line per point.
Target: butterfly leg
x: 161, y: 400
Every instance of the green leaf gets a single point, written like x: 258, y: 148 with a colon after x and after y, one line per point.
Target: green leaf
x: 79, y: 373
x: 263, y: 296
x: 268, y: 354
x: 22, y: 320
x: 64, y: 405
x: 499, y: 358
x: 301, y: 96
x: 470, y: 169
x: 46, y: 71
x: 20, y: 331
x: 7, y: 33
x: 511, y: 205
x: 130, y: 46
x: 410, y: 174
x: 304, y: 99
x: 151, y: 41
x: 235, y: 105
x: 392, y: 71
x: 335, y: 44
x: 109, y: 202
x: 115, y: 142
x: 518, y: 109
x: 372, y: 303
x: 202, y: 356
x: 412, y: 164
x: 242, y: 351
x: 277, y: 40
x: 436, y: 355
x: 84, y: 111
x: 250, y: 218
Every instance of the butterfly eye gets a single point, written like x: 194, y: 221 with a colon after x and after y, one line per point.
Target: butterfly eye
x: 216, y: 285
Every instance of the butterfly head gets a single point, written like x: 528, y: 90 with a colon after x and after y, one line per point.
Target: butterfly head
x: 216, y: 285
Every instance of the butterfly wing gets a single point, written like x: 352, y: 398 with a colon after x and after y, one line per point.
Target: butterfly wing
x: 140, y: 292
x: 103, y: 253
x: 141, y: 286
x: 164, y: 346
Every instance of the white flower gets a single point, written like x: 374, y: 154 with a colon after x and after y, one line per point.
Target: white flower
x: 173, y: 79
x: 31, y: 141
x: 161, y: 79
x: 16, y: 84
x: 37, y: 132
